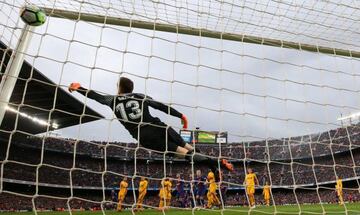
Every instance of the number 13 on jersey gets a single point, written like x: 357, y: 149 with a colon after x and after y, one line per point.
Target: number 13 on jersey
x: 135, y: 112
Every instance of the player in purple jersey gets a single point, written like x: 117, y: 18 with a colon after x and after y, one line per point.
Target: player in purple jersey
x: 191, y: 192
x: 200, y: 188
x: 180, y: 191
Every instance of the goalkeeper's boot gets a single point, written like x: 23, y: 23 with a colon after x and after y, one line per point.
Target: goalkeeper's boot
x: 227, y: 165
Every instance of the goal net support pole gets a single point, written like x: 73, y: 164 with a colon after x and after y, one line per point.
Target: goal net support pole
x: 180, y: 29
x: 13, y: 68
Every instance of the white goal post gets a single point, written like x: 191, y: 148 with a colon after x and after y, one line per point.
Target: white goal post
x: 181, y: 29
x: 13, y: 69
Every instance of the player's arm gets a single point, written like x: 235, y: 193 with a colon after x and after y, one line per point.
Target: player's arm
x: 105, y: 100
x: 168, y: 110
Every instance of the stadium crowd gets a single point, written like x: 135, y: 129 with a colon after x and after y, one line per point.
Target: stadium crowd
x: 315, y: 145
x: 305, y: 162
x: 88, y: 171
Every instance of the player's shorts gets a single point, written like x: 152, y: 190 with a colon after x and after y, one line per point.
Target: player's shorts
x: 250, y: 189
x: 200, y: 192
x: 162, y: 194
x: 180, y: 194
x: 160, y: 138
x: 266, y: 196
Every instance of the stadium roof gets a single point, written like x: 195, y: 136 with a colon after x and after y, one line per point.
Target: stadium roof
x: 39, y: 102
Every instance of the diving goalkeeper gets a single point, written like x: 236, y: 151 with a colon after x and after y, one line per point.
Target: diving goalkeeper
x: 132, y: 110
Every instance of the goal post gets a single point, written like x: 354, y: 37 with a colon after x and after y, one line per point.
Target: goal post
x: 10, y: 76
x: 181, y: 29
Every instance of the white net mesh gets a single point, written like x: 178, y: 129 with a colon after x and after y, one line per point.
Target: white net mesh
x: 280, y: 107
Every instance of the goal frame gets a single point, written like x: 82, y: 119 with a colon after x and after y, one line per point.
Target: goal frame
x: 181, y: 29
x: 13, y: 69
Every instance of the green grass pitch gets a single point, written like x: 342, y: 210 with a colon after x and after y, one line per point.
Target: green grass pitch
x: 334, y: 209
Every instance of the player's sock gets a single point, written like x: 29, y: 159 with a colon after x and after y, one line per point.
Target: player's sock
x: 202, y: 202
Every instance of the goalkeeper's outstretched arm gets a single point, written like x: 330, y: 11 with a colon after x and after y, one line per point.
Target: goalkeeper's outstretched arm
x: 105, y: 100
x: 168, y: 110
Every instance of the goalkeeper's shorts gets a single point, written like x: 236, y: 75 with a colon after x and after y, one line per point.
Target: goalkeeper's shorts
x: 160, y: 138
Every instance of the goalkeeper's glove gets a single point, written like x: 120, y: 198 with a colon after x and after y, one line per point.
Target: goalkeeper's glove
x: 184, y: 122
x: 74, y: 87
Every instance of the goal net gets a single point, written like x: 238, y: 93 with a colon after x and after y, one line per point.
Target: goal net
x: 268, y: 85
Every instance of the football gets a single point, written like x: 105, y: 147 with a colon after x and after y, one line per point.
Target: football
x: 33, y: 15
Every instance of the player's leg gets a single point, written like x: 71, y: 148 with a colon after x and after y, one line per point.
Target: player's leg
x: 140, y: 200
x: 247, y: 196
x: 162, y: 203
x: 197, y: 198
x: 202, y: 194
x: 216, y: 199
x: 200, y: 158
x: 162, y: 138
x: 168, y: 200
x: 119, y: 206
x: 192, y: 199
x: 209, y: 198
x: 341, y: 198
x: 249, y: 193
x: 185, y: 149
x: 177, y: 139
x: 202, y: 200
x: 252, y: 200
x: 253, y: 195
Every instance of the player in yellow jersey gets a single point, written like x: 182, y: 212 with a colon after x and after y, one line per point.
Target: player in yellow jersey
x: 250, y: 182
x: 339, y: 191
x: 142, y: 192
x: 266, y: 193
x: 122, y: 193
x: 162, y: 195
x: 165, y: 194
x: 211, y: 194
x: 168, y: 192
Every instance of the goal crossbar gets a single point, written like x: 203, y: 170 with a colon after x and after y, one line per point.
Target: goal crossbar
x: 180, y: 29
